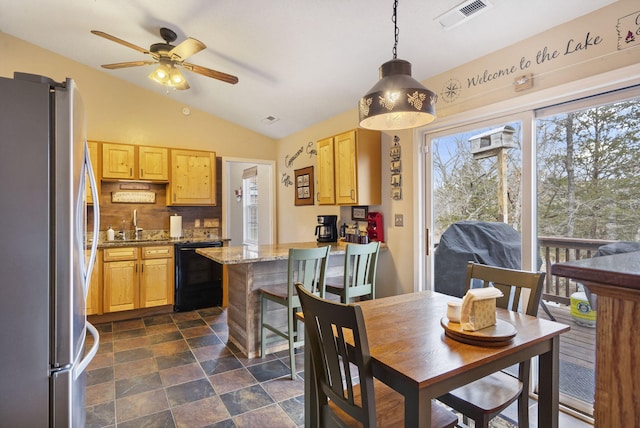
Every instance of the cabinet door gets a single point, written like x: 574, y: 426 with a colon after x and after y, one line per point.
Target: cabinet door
x: 193, y: 178
x: 346, y: 171
x: 93, y: 156
x: 118, y: 161
x: 326, y: 190
x: 153, y: 163
x: 156, y: 283
x: 120, y: 285
x: 94, y: 297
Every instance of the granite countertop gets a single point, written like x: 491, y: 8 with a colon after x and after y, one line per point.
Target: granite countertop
x: 263, y: 253
x: 154, y: 241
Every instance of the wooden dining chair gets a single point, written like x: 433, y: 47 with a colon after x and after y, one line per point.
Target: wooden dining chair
x: 306, y: 266
x: 359, y: 277
x: 485, y: 398
x: 339, y: 354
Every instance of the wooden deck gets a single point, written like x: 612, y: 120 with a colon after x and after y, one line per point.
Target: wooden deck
x: 577, y: 360
x: 577, y: 346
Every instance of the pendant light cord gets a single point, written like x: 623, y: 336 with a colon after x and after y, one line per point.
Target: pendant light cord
x: 397, y: 30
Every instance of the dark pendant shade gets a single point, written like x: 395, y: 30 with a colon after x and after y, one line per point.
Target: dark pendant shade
x: 397, y: 101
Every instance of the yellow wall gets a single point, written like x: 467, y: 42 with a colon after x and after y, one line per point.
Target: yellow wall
x: 119, y: 111
x: 397, y: 267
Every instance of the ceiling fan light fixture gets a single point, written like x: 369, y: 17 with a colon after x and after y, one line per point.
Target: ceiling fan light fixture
x: 397, y: 101
x: 168, y: 75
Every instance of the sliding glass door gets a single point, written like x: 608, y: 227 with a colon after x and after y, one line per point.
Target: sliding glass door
x: 588, y: 200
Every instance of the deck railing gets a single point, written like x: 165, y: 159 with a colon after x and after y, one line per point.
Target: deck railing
x: 555, y: 249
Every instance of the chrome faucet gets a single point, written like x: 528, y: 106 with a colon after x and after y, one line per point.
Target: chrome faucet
x: 136, y: 229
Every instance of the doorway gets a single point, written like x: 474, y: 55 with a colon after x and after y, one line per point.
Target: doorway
x: 263, y: 207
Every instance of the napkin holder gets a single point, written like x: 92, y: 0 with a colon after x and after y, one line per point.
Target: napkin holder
x: 479, y: 309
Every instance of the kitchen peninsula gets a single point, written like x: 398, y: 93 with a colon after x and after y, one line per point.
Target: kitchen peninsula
x: 247, y: 269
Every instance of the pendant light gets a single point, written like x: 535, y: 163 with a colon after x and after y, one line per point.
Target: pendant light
x: 397, y: 101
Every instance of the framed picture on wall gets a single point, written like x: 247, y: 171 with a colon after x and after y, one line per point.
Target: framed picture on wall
x: 359, y: 213
x: 304, y: 186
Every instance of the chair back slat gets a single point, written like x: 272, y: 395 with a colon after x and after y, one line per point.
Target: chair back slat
x: 308, y: 266
x: 360, y: 269
x: 338, y: 342
x: 521, y: 290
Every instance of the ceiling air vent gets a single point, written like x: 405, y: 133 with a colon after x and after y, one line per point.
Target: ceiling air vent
x: 462, y: 13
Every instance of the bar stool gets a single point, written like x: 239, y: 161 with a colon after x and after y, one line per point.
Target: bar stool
x: 306, y: 266
x: 359, y: 278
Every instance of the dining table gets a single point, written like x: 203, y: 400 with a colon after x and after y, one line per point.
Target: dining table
x: 411, y: 353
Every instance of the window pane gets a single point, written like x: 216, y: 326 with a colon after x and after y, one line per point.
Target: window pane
x: 476, y: 176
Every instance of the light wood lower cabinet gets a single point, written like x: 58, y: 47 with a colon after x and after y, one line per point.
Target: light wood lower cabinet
x: 137, y: 277
x: 94, y: 297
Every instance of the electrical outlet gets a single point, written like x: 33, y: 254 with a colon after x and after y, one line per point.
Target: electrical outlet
x: 399, y: 220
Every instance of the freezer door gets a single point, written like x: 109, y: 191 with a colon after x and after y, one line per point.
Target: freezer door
x: 24, y: 254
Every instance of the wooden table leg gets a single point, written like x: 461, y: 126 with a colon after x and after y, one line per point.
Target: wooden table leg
x: 417, y: 410
x: 549, y: 386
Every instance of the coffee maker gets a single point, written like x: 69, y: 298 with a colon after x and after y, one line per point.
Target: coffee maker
x: 326, y: 230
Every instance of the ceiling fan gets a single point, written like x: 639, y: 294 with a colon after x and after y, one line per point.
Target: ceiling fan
x: 169, y: 58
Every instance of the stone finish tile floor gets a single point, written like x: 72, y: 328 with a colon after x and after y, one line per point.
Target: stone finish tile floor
x: 177, y: 370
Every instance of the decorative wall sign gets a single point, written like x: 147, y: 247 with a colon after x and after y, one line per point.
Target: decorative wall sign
x: 133, y: 197
x: 304, y: 186
x: 395, y: 150
x: 396, y: 193
x: 396, y: 169
x: 135, y: 186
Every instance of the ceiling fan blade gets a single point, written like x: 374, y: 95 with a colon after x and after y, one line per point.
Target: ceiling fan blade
x: 210, y: 73
x: 127, y: 64
x: 122, y: 42
x: 185, y: 49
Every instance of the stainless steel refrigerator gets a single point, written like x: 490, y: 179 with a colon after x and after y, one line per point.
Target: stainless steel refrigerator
x: 43, y: 234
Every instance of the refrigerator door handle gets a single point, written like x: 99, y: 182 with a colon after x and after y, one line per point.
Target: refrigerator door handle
x: 96, y: 219
x: 82, y: 365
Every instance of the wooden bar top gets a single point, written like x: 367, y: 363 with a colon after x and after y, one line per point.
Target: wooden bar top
x: 617, y: 270
x: 616, y: 281
x: 263, y: 253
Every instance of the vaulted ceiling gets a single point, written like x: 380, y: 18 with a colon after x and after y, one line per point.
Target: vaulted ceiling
x: 298, y: 61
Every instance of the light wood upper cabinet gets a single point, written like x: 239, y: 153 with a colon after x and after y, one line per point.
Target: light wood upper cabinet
x: 118, y: 161
x: 128, y: 162
x: 153, y: 163
x: 356, y: 168
x: 326, y: 188
x: 138, y: 277
x: 193, y: 178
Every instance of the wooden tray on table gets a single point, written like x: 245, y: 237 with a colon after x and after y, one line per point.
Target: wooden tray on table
x: 500, y: 334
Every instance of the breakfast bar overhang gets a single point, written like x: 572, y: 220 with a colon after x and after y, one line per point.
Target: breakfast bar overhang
x: 246, y: 270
